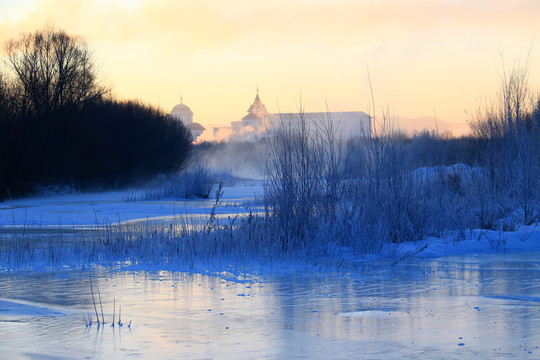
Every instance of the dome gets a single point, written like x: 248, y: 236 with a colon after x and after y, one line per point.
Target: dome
x: 183, y: 113
x: 181, y: 109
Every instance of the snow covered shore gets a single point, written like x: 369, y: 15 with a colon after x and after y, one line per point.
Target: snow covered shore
x: 523, y: 239
x: 84, y: 210
x: 88, y: 210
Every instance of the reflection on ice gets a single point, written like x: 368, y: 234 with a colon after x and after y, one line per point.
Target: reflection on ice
x: 13, y: 309
x: 368, y: 313
x: 453, y: 308
x: 516, y: 298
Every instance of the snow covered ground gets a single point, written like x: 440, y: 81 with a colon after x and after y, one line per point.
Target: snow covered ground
x: 85, y: 210
x: 523, y: 239
x: 88, y: 210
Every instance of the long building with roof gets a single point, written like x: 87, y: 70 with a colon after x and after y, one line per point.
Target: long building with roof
x: 259, y: 123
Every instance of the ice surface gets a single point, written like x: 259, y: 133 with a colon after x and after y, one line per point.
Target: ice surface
x: 13, y: 309
x: 483, y: 306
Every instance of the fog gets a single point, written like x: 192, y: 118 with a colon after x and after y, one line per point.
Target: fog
x: 239, y: 159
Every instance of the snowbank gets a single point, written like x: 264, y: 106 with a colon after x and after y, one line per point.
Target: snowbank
x: 83, y: 210
x: 524, y: 239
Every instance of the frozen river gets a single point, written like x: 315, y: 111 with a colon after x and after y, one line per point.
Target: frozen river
x: 468, y: 306
x: 449, y: 304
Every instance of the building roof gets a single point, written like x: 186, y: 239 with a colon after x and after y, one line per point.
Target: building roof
x: 195, y: 126
x: 252, y: 116
x: 257, y: 106
x: 257, y: 110
x: 181, y: 109
x: 257, y: 103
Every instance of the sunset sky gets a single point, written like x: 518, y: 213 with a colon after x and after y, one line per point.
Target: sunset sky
x: 422, y: 55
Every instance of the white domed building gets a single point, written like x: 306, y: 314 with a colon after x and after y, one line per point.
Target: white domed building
x: 182, y: 112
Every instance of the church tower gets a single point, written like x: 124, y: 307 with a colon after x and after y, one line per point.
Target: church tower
x: 257, y: 113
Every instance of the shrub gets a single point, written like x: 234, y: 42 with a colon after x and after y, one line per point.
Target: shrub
x: 509, y: 145
x: 194, y: 182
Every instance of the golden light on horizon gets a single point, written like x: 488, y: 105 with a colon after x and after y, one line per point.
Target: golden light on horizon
x: 421, y: 55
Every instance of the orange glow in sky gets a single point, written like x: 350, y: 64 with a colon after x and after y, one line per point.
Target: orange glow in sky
x: 422, y: 55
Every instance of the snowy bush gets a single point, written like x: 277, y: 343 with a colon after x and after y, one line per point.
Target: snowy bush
x: 194, y: 182
x: 508, y: 134
x: 303, y: 179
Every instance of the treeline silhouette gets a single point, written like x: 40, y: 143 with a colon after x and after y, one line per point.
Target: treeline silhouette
x: 59, y: 126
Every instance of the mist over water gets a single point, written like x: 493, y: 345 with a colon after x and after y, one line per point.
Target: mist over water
x: 245, y: 160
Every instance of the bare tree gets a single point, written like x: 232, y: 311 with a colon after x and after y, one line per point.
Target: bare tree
x: 54, y: 69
